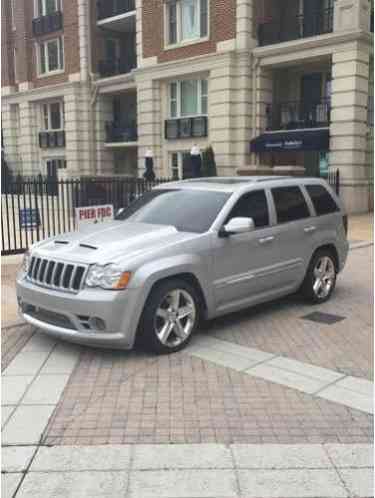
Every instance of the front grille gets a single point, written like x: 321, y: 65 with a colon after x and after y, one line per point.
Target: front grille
x: 56, y: 275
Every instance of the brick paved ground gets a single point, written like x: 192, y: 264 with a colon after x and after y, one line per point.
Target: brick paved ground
x: 12, y: 341
x: 127, y: 397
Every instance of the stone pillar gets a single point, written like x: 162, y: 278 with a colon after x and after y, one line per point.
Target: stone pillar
x: 352, y: 15
x: 78, y: 131
x: 246, y: 37
x: 10, y: 116
x: 29, y: 138
x: 103, y: 112
x: 149, y: 123
x: 348, y: 130
x: 138, y: 24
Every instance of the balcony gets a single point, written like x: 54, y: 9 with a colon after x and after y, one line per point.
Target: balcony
x: 293, y: 115
x: 186, y: 127
x: 115, y: 67
x: 120, y: 132
x: 297, y: 27
x: 50, y: 139
x: 47, y: 24
x: 113, y: 8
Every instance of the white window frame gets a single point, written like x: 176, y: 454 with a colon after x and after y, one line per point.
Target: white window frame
x: 178, y: 97
x: 60, y: 50
x: 58, y: 8
x: 15, y: 65
x: 47, y: 105
x: 179, y: 39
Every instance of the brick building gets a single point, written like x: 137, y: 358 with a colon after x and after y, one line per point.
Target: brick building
x: 274, y: 86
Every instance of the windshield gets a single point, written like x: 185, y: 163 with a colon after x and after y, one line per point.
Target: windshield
x: 186, y: 210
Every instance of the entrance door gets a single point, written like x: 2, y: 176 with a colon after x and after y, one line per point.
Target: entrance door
x: 311, y: 95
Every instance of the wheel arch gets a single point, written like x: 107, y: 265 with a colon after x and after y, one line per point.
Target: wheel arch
x: 333, y: 250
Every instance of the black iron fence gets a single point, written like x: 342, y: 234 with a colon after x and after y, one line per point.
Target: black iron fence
x: 36, y: 208
x: 301, y: 26
x: 47, y: 24
x: 296, y: 114
x: 113, y: 67
x: 120, y: 132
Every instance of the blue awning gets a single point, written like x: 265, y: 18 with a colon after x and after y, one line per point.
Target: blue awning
x: 291, y: 140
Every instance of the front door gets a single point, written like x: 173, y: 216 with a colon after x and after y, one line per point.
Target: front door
x: 312, y: 15
x: 240, y: 261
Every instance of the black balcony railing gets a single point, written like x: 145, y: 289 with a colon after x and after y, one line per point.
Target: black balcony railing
x: 296, y: 115
x: 112, y: 67
x: 120, y: 132
x: 186, y: 127
x: 275, y: 31
x: 47, y: 24
x: 112, y: 8
x: 49, y: 139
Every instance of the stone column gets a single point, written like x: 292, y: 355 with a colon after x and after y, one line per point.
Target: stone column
x: 348, y: 144
x: 11, y: 131
x: 29, y: 138
x: 149, y: 123
x: 246, y: 37
x: 352, y: 15
x: 103, y: 112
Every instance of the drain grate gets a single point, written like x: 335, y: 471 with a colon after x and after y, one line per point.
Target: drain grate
x: 326, y: 318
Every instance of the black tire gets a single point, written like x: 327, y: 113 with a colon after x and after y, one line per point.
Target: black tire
x: 147, y: 336
x: 307, y: 287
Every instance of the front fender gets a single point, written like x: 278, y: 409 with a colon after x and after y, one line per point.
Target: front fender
x: 154, y: 271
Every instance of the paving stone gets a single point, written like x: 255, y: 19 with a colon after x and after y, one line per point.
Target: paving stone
x: 305, y: 369
x: 74, y: 485
x: 16, y: 458
x: 355, y: 400
x: 5, y: 414
x: 291, y: 483
x: 358, y: 385
x: 360, y: 482
x: 351, y: 455
x: 89, y: 458
x: 27, y: 424
x: 61, y: 361
x: 199, y: 456
x: 286, y: 378
x: 27, y: 363
x: 182, y: 484
x: 9, y: 483
x: 228, y: 360
x: 46, y: 390
x: 40, y: 342
x: 13, y: 387
x: 280, y: 456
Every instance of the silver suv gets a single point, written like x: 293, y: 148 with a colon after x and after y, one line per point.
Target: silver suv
x: 183, y: 252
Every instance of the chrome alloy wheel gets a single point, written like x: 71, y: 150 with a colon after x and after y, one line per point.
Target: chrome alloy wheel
x: 324, y: 277
x: 175, y: 318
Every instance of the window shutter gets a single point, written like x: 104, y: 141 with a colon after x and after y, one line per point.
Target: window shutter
x: 204, y: 17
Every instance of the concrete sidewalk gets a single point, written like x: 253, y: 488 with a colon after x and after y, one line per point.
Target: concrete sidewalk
x: 187, y: 471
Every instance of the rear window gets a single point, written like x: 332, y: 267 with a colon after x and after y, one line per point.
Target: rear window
x: 290, y: 204
x: 322, y: 200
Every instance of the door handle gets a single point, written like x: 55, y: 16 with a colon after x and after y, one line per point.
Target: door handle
x: 309, y: 229
x: 266, y: 240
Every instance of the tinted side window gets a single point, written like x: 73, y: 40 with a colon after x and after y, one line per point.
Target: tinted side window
x: 252, y: 205
x: 290, y: 204
x: 322, y: 200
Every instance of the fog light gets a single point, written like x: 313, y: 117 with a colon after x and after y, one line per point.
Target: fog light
x: 97, y: 323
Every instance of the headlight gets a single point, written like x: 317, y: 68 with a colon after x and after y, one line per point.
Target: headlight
x: 26, y: 262
x: 108, y: 277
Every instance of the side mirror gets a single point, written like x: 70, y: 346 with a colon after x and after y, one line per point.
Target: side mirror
x: 237, y: 226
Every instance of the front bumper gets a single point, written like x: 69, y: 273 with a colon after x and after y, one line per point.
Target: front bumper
x: 69, y: 316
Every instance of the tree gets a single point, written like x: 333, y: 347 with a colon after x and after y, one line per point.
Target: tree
x: 208, y: 162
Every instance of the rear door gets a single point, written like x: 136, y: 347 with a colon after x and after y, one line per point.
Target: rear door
x: 293, y: 231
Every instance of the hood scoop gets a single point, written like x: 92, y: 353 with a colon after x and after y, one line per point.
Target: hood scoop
x: 64, y: 242
x: 88, y: 246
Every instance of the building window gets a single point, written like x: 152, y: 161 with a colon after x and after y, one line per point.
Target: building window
x: 290, y: 204
x: 12, y: 12
x: 188, y: 98
x: 186, y: 20
x: 46, y: 7
x: 52, y: 116
x: 51, y: 56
